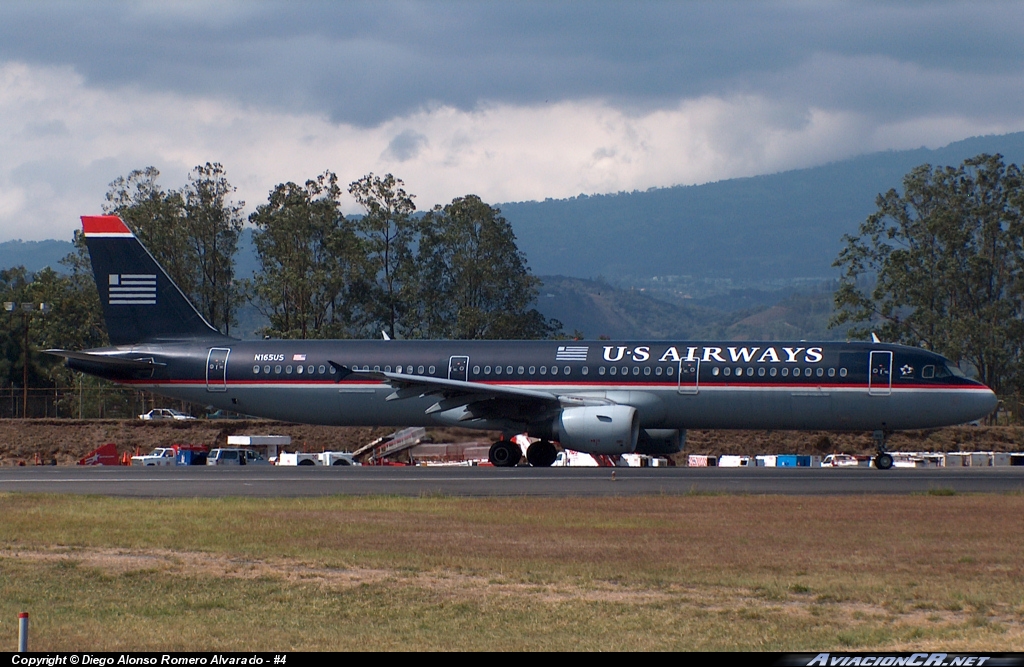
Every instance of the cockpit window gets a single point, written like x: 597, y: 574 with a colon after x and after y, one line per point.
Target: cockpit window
x: 955, y: 370
x: 928, y: 372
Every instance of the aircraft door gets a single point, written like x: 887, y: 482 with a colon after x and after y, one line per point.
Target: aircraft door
x: 689, y: 372
x: 217, y: 369
x: 880, y: 374
x: 458, y: 368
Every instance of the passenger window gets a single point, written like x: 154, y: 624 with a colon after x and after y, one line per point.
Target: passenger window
x: 820, y: 372
x: 299, y: 369
x: 647, y: 370
x: 533, y: 369
x: 487, y: 370
x: 659, y: 370
x: 256, y: 369
x: 310, y: 370
x: 322, y: 369
x: 715, y: 370
x: 600, y: 370
x: 431, y: 370
x: 376, y: 369
x: 277, y: 370
x: 842, y: 372
x: 636, y: 370
x: 585, y: 370
x: 807, y: 371
x: 726, y: 371
x: 333, y: 370
x: 831, y: 372
x: 554, y: 370
x: 288, y: 369
x: 760, y: 371
x: 476, y: 370
x: 543, y: 370
x: 508, y: 370
x: 750, y: 372
x: 612, y: 370
x: 419, y: 370
x: 773, y: 371
x: 387, y: 369
x: 566, y: 370
x: 670, y: 370
x: 785, y: 371
x: 521, y: 370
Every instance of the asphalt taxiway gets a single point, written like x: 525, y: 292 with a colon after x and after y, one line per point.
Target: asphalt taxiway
x: 268, y: 481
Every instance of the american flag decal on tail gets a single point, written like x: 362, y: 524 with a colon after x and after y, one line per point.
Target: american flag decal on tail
x: 571, y: 353
x: 132, y: 289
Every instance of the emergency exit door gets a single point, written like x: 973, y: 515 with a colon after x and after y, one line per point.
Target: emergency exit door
x: 880, y: 374
x: 217, y: 369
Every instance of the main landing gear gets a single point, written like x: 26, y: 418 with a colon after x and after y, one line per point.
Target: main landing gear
x: 883, y: 459
x: 541, y: 454
x: 506, y: 454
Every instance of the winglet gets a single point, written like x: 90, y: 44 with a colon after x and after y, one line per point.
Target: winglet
x: 874, y: 338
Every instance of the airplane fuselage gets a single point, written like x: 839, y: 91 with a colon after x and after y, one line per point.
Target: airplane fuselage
x: 672, y: 385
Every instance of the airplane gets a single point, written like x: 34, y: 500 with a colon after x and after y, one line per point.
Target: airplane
x: 598, y: 397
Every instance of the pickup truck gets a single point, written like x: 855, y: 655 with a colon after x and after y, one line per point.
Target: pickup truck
x: 175, y: 455
x: 161, y: 456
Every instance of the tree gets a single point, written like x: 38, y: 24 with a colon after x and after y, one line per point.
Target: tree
x: 211, y: 225
x: 947, y: 265
x: 388, y: 231
x: 312, y: 262
x: 473, y: 280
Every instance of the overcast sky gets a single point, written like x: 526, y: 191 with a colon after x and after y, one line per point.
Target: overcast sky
x: 511, y: 101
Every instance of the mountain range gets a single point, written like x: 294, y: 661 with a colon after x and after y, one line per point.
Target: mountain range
x: 742, y: 258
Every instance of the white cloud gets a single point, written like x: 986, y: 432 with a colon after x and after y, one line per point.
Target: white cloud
x: 64, y: 141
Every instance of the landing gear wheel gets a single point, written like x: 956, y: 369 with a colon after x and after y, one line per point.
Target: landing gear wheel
x: 505, y: 454
x: 541, y: 454
x: 883, y: 461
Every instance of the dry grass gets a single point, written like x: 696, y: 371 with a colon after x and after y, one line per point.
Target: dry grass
x: 678, y: 573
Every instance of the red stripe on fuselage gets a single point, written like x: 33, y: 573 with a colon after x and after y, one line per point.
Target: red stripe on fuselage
x: 597, y: 385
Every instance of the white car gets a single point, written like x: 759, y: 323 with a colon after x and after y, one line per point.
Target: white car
x: 164, y: 413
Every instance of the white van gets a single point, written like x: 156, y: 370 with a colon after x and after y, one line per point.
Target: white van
x: 235, y: 457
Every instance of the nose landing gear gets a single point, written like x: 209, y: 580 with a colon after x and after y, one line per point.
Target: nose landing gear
x: 883, y: 459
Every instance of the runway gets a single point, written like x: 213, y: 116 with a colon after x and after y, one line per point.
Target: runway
x: 267, y: 481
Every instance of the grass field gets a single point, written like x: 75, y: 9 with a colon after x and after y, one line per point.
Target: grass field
x: 436, y: 573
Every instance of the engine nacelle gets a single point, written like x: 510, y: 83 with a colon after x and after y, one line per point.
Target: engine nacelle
x: 660, y: 441
x: 602, y: 429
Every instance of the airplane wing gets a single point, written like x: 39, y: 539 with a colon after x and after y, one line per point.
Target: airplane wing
x: 481, y: 401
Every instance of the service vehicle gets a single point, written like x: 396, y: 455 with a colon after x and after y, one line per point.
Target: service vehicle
x: 235, y: 456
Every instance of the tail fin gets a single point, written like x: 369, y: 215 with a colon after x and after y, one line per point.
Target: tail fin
x: 140, y: 302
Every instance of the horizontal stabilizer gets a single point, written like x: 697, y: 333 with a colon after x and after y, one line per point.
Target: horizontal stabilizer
x: 104, y: 361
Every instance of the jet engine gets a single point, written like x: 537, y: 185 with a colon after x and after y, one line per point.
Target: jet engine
x: 660, y: 441
x: 602, y: 429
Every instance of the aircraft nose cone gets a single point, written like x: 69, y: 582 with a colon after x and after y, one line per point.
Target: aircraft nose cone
x: 980, y: 404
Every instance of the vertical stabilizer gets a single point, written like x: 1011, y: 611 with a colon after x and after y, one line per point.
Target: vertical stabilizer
x: 140, y: 302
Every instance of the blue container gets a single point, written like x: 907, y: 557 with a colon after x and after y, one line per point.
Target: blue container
x: 787, y: 461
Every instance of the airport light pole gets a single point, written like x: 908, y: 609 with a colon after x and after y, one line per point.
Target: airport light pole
x: 27, y: 308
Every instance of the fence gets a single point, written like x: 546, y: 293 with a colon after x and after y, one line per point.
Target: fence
x: 86, y: 402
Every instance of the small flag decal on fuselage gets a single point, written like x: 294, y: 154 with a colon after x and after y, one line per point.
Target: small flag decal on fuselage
x: 132, y: 289
x: 571, y: 353
x: 298, y: 357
